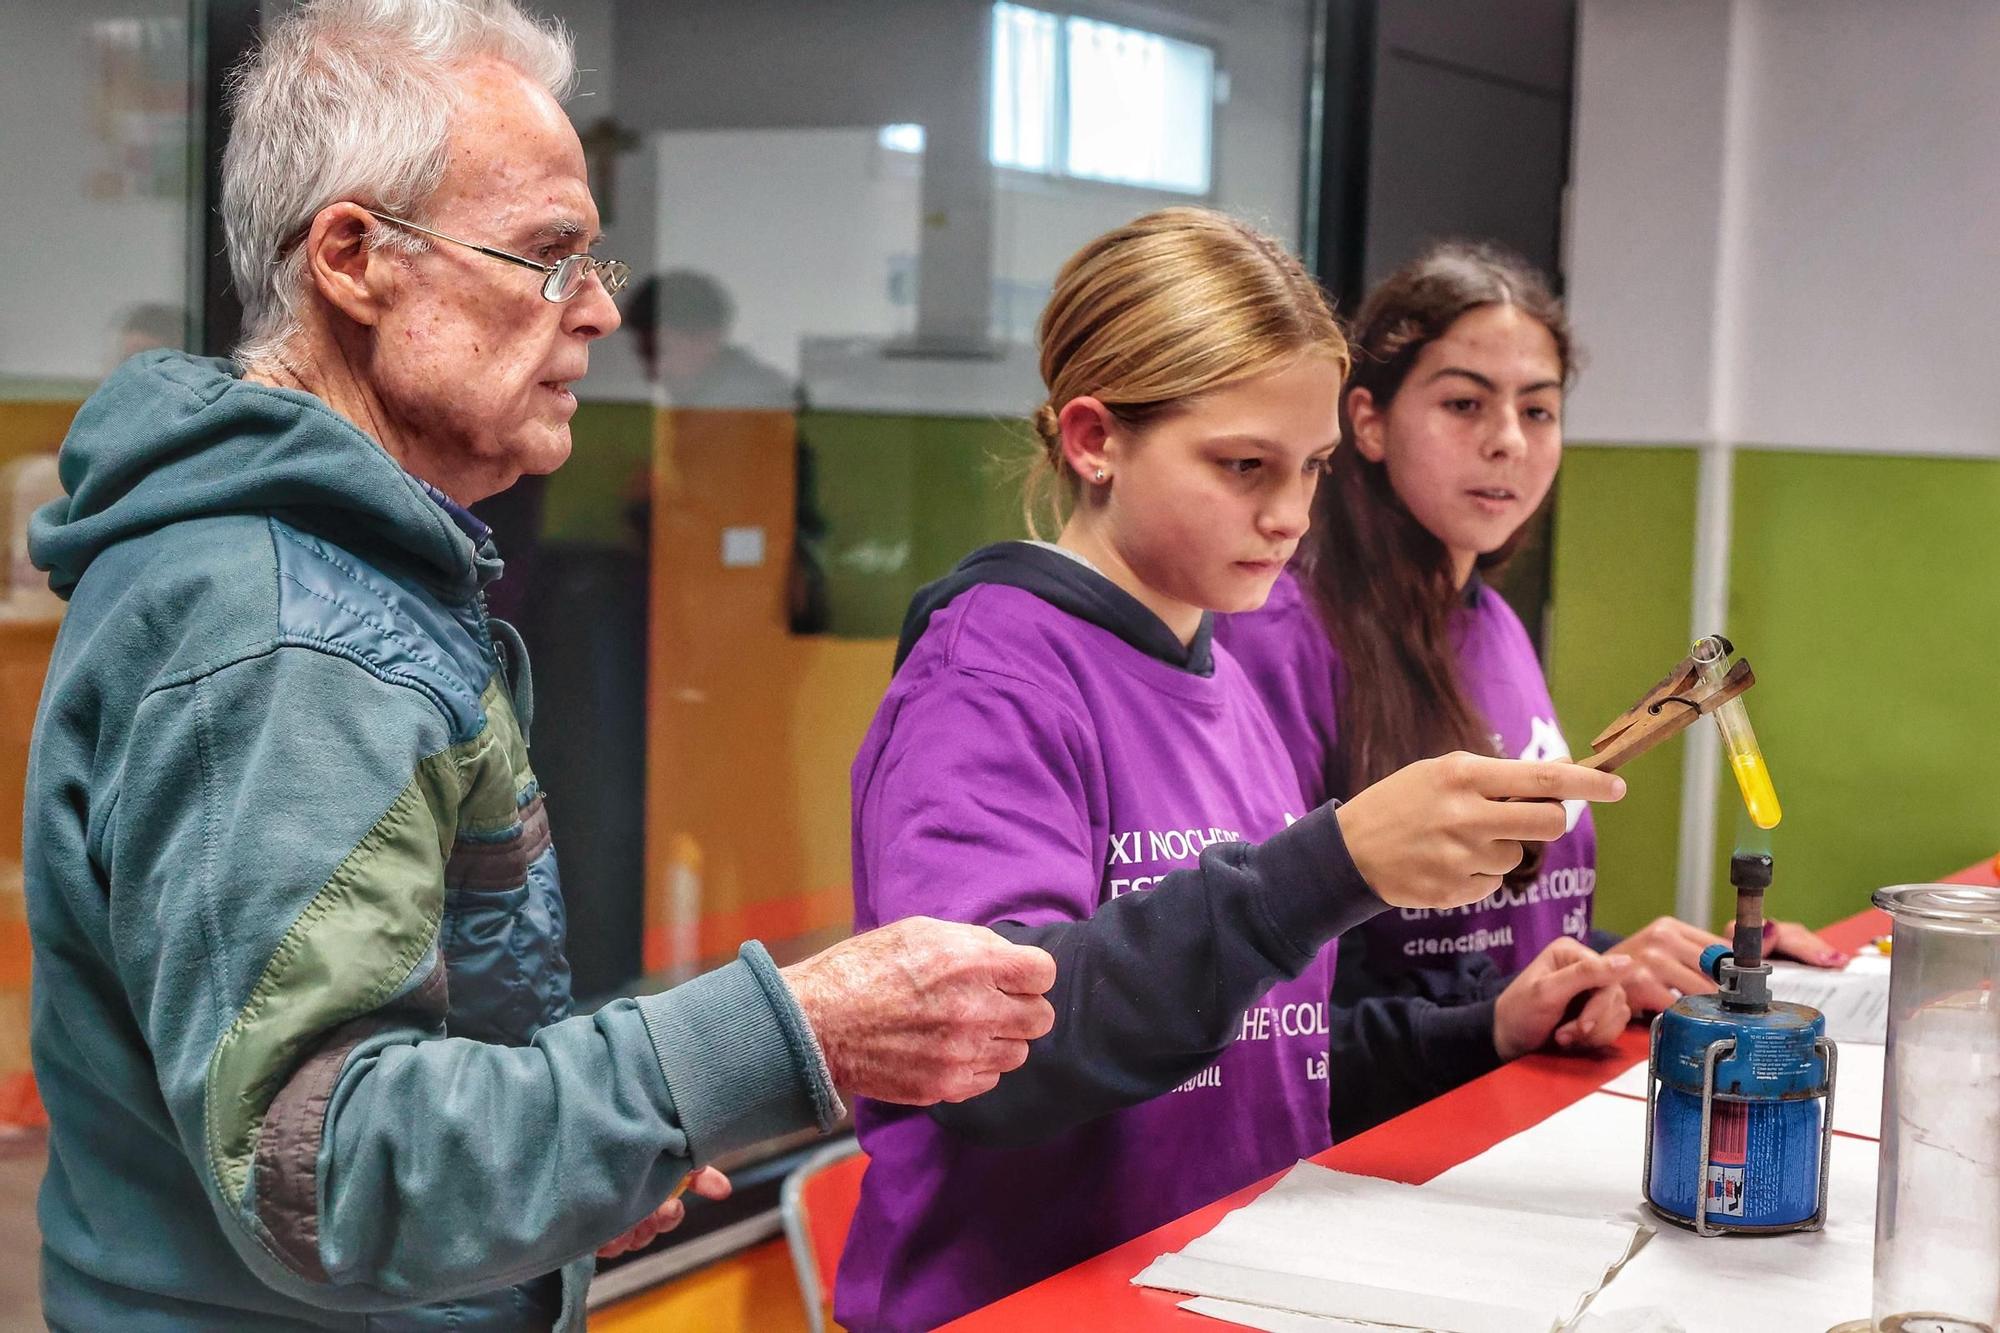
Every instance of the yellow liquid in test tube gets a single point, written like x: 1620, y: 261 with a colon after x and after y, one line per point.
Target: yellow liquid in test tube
x: 1746, y: 760
x: 1753, y: 779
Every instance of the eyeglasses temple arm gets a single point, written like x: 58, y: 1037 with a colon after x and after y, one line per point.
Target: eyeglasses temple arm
x: 488, y: 250
x: 522, y: 260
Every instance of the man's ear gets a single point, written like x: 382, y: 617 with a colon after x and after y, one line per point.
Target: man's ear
x: 353, y: 277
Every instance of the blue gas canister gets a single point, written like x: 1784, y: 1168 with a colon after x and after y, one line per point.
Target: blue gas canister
x: 1739, y: 1098
x: 1738, y: 1117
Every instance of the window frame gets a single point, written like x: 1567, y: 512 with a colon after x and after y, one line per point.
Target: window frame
x: 1058, y: 178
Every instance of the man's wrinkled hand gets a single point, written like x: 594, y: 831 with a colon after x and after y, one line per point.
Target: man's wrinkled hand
x: 924, y: 1011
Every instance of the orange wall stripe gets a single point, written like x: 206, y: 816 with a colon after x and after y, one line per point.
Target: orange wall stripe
x: 777, y: 919
x: 15, y: 950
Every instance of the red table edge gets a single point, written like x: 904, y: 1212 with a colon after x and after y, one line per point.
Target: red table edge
x: 1414, y: 1147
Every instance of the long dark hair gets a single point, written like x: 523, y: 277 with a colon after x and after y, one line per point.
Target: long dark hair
x: 1381, y: 582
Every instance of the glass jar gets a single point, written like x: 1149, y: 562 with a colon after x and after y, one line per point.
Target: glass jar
x: 1937, y: 1207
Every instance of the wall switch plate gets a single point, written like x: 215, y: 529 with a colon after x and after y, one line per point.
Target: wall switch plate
x: 742, y: 548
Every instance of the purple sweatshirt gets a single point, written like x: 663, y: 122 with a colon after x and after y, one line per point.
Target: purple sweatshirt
x: 1285, y: 650
x: 1030, y: 766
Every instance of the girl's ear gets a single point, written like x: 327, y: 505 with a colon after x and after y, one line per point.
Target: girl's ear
x: 1366, y: 418
x: 1086, y: 438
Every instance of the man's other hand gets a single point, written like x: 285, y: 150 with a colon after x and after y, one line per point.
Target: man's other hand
x: 924, y: 1011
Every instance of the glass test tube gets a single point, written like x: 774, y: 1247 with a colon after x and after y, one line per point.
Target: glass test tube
x: 1746, y: 761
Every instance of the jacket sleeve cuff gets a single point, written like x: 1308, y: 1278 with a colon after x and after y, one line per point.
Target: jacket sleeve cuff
x: 1313, y: 891
x: 740, y: 1060
x: 1457, y: 1042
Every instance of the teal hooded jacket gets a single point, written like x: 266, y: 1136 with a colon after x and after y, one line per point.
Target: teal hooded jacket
x: 301, y: 1017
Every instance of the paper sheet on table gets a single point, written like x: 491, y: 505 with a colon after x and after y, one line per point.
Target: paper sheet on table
x: 1857, y: 1089
x: 1649, y: 1320
x: 1273, y: 1321
x: 1586, y: 1159
x: 1324, y: 1243
x: 1855, y: 999
x: 1868, y: 958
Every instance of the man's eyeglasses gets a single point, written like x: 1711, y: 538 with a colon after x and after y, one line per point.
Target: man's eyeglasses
x: 565, y: 277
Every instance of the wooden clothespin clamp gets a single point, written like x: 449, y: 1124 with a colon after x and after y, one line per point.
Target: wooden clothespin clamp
x: 1666, y: 710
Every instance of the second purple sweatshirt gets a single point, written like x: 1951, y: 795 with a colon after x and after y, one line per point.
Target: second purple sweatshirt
x: 1285, y: 650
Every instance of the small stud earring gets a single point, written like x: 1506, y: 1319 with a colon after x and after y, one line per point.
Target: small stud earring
x: 1098, y: 476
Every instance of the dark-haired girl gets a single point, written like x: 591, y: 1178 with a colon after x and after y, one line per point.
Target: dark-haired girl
x: 1386, y: 645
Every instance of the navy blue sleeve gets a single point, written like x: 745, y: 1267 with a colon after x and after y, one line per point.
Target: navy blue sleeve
x: 1601, y: 940
x: 1393, y: 1052
x: 1402, y: 1036
x: 1153, y: 987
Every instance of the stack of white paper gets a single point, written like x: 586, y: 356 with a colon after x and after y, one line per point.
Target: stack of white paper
x: 1586, y: 1160
x: 1515, y: 1237
x: 1332, y: 1246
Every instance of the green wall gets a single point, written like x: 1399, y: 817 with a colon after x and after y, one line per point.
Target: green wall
x: 1622, y: 590
x: 904, y: 497
x: 1863, y: 589
x: 591, y: 500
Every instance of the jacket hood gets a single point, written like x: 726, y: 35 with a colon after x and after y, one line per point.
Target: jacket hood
x: 171, y: 437
x: 1067, y: 584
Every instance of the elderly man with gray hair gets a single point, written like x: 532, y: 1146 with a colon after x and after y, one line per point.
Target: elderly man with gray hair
x: 302, y: 1019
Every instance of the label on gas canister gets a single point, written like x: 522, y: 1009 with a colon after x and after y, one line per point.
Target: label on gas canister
x: 1728, y: 1155
x: 1763, y: 1160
